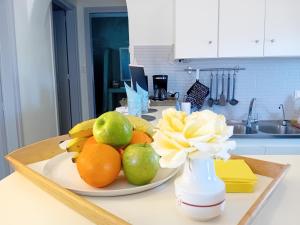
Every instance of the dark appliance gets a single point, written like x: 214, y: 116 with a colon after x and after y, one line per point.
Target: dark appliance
x: 138, y: 76
x: 160, y: 86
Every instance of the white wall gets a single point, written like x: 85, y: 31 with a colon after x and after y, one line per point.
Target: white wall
x: 81, y: 4
x: 272, y: 81
x: 33, y: 25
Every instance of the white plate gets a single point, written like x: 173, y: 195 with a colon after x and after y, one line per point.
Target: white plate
x: 61, y: 170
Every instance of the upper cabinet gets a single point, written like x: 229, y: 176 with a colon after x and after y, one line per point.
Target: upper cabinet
x: 282, y: 32
x: 241, y: 28
x: 150, y: 22
x: 196, y: 28
x: 217, y: 28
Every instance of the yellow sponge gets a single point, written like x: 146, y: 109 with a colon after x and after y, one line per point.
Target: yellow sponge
x: 236, y: 174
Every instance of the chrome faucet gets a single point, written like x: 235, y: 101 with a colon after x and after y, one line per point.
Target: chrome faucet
x: 249, y: 119
x: 283, y: 115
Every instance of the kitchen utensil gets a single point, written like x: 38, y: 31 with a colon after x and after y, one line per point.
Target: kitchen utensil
x: 210, y: 101
x: 216, y: 101
x: 222, y: 100
x: 197, y: 93
x: 160, y: 86
x: 233, y: 101
x: 228, y: 87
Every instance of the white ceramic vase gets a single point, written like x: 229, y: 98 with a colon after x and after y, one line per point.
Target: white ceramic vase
x: 199, y: 192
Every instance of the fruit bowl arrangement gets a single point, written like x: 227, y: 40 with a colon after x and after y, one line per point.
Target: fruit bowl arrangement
x: 110, y: 143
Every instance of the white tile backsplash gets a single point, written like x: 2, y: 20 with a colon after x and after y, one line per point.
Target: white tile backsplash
x: 271, y: 81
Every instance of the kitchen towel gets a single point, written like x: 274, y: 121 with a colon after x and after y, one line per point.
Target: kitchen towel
x: 196, y: 95
x: 134, y: 101
x: 145, y: 98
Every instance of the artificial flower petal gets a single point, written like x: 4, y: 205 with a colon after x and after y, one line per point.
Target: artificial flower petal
x: 200, y: 134
x: 173, y: 160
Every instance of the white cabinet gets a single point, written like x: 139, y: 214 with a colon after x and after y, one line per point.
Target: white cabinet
x: 217, y: 28
x: 241, y: 28
x: 196, y: 28
x: 249, y: 150
x: 268, y: 146
x: 150, y: 22
x: 283, y: 149
x: 282, y: 32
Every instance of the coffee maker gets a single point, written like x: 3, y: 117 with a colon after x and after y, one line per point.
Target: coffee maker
x: 160, y: 86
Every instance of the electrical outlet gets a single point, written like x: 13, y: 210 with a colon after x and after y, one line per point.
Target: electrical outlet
x: 297, y: 94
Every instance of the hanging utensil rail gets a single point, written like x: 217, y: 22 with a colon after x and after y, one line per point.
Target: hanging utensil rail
x: 237, y: 68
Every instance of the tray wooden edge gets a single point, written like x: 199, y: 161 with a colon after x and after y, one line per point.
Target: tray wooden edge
x: 87, y: 209
x: 49, y: 148
x: 276, y: 171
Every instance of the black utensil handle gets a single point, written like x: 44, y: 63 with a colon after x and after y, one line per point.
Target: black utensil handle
x: 223, y: 83
x: 233, y: 91
x: 217, y: 85
x: 211, y: 85
x: 228, y: 87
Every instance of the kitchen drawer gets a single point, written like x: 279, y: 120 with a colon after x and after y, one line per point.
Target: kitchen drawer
x: 249, y: 150
x: 283, y: 149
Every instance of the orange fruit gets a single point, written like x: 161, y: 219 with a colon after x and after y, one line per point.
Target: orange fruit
x: 98, y: 164
x: 139, y: 137
x: 121, y: 152
x: 91, y: 140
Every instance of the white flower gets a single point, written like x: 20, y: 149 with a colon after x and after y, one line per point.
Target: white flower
x: 179, y: 134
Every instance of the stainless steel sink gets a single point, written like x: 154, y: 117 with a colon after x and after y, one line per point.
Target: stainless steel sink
x: 276, y: 127
x: 240, y: 128
x: 265, y: 129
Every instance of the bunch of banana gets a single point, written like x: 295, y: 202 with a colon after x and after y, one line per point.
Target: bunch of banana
x: 79, y: 134
x: 83, y: 129
x: 141, y: 125
x: 75, y: 156
x: 76, y: 145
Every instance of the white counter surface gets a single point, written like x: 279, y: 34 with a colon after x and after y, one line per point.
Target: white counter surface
x: 21, y: 202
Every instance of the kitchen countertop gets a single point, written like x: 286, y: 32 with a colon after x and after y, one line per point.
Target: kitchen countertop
x: 22, y: 202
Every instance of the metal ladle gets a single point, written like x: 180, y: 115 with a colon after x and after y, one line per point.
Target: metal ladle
x: 222, y: 100
x: 210, y: 101
x: 217, y: 101
x: 233, y: 101
x: 228, y: 87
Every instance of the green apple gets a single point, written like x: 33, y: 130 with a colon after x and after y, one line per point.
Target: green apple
x: 112, y: 128
x: 140, y: 163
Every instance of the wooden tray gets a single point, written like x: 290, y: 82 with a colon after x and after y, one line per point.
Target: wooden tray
x: 48, y: 148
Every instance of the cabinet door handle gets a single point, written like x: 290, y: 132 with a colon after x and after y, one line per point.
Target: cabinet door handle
x: 256, y: 41
x: 272, y: 40
x: 210, y: 42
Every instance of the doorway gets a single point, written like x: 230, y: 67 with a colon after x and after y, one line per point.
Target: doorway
x: 110, y: 37
x: 66, y: 64
x: 107, y: 37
